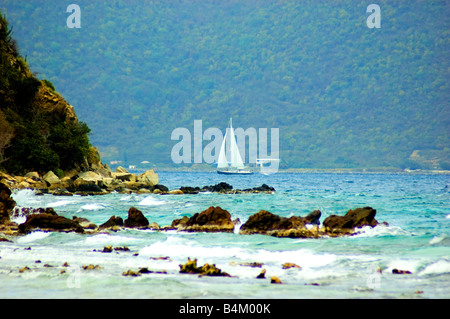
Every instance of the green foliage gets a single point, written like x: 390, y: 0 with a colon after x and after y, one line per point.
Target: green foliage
x: 49, y: 84
x: 70, y: 142
x: 342, y: 95
x: 33, y: 137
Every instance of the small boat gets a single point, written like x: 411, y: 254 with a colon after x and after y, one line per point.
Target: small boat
x: 236, y: 165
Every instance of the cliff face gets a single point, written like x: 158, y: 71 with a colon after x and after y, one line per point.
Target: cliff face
x: 39, y: 130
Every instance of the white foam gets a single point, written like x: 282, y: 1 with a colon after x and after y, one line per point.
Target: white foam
x: 36, y: 235
x: 436, y: 240
x: 448, y: 216
x: 105, y: 239
x: 25, y: 198
x: 60, y: 203
x: 94, y: 206
x: 381, y: 230
x: 151, y: 201
x: 439, y: 267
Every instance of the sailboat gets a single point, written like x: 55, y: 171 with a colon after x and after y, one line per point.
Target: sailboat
x: 236, y: 165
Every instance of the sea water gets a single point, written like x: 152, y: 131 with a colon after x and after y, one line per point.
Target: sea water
x: 417, y: 239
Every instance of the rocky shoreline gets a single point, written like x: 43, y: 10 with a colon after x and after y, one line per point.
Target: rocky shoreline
x: 212, y: 219
x: 102, y: 180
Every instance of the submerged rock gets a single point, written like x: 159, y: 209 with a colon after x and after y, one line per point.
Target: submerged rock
x: 190, y: 267
x: 213, y: 219
x: 275, y: 280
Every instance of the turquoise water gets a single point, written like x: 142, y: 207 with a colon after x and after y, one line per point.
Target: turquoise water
x: 417, y: 208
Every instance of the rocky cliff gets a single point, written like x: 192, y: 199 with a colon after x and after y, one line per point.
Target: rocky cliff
x: 39, y: 130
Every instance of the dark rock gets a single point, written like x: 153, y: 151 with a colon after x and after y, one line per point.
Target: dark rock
x: 264, y: 188
x: 112, y: 222
x: 262, y: 274
x: 135, y: 219
x: 3, y: 239
x: 207, y: 270
x: 49, y: 221
x: 275, y: 280
x: 213, y: 219
x: 218, y: 188
x: 400, y: 272
x: 356, y: 218
x: 7, y: 204
x: 85, y: 223
x: 161, y: 187
x: 266, y: 223
x: 190, y: 190
x: 87, y: 188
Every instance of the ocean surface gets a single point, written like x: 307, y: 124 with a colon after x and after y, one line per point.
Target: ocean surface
x: 416, y: 207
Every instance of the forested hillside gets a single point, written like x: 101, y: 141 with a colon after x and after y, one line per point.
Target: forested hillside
x: 39, y: 130
x: 341, y: 94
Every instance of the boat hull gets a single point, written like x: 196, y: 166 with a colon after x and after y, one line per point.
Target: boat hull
x: 235, y: 172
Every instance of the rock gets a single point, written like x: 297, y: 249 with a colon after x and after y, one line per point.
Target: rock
x: 107, y: 249
x: 275, y: 280
x: 175, y: 192
x: 356, y: 218
x: 290, y: 265
x: 266, y: 223
x: 190, y: 190
x: 51, y: 178
x: 135, y: 219
x: 213, y: 219
x: 112, y: 222
x: 121, y: 170
x: 86, y: 187
x: 400, y: 272
x: 89, y: 176
x: 131, y: 273
x: 148, y: 178
x: 91, y: 267
x: 26, y: 268
x: 262, y: 274
x: 85, y: 223
x: 32, y: 175
x: 313, y: 217
x: 49, y: 222
x: 208, y: 270
x: 218, y: 188
x: 264, y: 188
x: 7, y: 204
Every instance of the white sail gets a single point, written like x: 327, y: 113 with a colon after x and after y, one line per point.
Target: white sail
x: 222, y: 160
x: 236, y: 159
x: 230, y: 160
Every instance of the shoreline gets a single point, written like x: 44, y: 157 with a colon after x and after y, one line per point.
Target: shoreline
x: 312, y: 171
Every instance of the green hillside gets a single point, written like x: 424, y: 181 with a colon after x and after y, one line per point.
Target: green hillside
x: 39, y: 130
x: 343, y: 95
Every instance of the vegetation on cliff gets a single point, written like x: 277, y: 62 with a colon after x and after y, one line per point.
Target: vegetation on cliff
x: 39, y: 130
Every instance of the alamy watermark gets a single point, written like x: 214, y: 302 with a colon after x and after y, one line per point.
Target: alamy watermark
x: 373, y: 20
x: 191, y: 148
x: 74, y: 19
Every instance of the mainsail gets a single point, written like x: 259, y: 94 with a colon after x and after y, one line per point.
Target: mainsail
x: 229, y: 146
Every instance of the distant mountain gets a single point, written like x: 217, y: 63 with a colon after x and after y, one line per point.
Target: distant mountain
x: 39, y: 130
x: 343, y: 95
